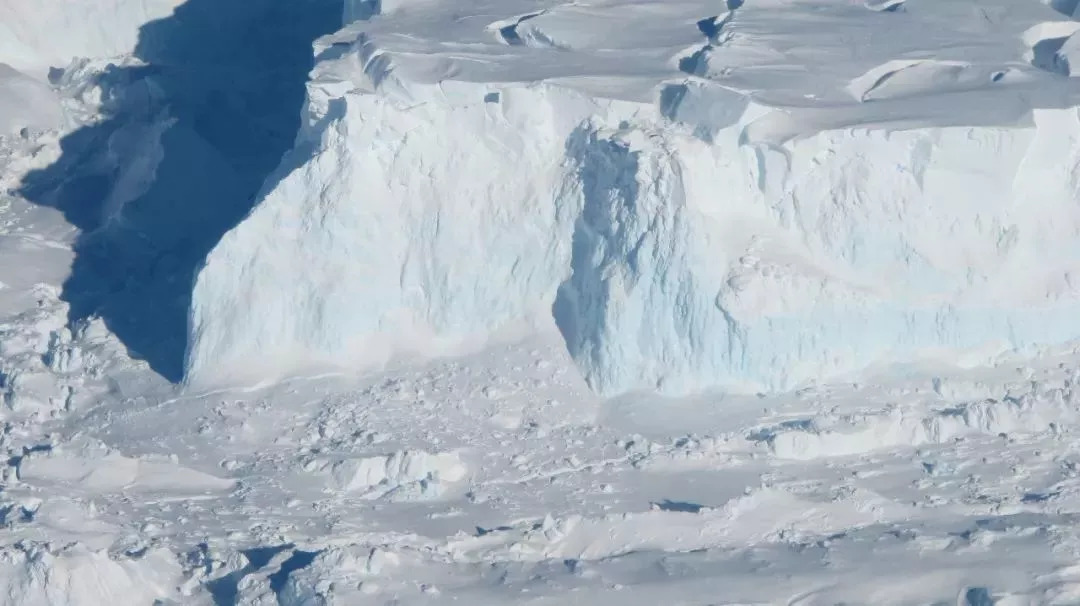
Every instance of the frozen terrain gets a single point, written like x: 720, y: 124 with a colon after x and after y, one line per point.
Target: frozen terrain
x: 36, y: 36
x: 314, y: 302
x: 775, y: 194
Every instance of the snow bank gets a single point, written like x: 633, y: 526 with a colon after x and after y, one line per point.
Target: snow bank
x: 760, y: 516
x: 34, y: 575
x: 93, y: 468
x: 691, y: 210
x: 406, y: 475
x: 38, y: 34
x: 26, y: 103
x: 898, y: 428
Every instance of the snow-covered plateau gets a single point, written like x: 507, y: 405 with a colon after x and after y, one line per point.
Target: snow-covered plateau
x: 612, y: 302
x: 751, y: 198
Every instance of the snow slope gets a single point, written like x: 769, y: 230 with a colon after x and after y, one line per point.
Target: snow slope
x: 35, y: 36
x: 26, y: 103
x: 756, y: 198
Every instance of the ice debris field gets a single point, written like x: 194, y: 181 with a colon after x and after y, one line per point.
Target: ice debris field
x: 635, y: 302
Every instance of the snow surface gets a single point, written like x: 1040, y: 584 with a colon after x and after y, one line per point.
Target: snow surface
x: 26, y: 103
x: 651, y: 191
x: 35, y: 36
x: 756, y: 199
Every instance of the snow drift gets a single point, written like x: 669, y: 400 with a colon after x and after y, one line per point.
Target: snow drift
x: 26, y: 103
x: 36, y: 575
x: 693, y: 211
x: 35, y: 36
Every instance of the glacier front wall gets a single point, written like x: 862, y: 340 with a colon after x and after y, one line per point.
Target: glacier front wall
x: 416, y: 218
x: 398, y: 229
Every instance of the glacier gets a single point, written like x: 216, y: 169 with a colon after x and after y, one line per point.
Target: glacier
x: 696, y: 200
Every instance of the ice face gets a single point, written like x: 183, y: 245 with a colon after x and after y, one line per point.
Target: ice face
x: 689, y: 214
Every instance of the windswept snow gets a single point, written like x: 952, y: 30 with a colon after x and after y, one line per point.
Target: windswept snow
x: 95, y: 469
x: 26, y: 103
x: 35, y: 36
x: 39, y: 575
x: 403, y: 475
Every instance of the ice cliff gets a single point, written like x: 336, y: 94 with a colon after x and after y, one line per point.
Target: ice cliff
x: 699, y: 200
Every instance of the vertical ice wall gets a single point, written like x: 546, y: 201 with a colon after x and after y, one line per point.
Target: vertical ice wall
x: 681, y: 236
x: 448, y: 225
x: 700, y: 265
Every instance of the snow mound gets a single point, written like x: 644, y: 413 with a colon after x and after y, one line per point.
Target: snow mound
x: 698, y: 199
x: 407, y: 475
x: 345, y: 575
x: 34, y: 575
x: 94, y: 469
x: 26, y: 103
x: 760, y: 516
x: 39, y: 34
x: 894, y: 428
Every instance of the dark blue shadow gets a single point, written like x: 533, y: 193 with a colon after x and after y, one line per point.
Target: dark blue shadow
x: 228, y: 77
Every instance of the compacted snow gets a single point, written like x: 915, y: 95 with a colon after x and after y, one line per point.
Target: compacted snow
x: 35, y: 36
x: 312, y: 302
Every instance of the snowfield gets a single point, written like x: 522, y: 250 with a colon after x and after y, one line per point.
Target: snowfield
x: 635, y: 302
x: 35, y: 36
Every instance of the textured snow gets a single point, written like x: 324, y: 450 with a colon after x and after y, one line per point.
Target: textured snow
x: 26, y: 103
x: 35, y: 575
x: 699, y: 200
x: 95, y: 469
x: 680, y: 194
x: 35, y: 36
x: 403, y: 475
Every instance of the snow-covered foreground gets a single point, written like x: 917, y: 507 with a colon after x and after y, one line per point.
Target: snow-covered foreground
x: 493, y: 211
x: 499, y: 478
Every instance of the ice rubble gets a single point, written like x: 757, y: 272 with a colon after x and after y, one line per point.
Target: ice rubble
x: 405, y: 475
x: 699, y: 200
x: 37, y: 37
x: 37, y: 575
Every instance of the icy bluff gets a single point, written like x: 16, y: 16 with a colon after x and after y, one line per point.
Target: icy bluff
x: 694, y: 199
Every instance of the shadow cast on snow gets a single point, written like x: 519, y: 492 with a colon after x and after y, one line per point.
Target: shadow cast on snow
x: 178, y: 160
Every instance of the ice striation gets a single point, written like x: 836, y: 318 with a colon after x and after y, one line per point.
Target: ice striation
x: 694, y: 198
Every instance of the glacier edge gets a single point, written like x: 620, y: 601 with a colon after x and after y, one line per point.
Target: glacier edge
x: 672, y: 251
